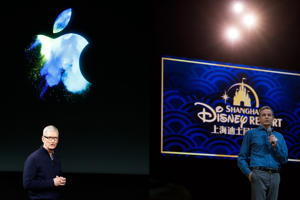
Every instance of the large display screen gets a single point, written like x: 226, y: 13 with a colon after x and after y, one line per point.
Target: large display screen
x: 78, y: 66
x: 207, y: 107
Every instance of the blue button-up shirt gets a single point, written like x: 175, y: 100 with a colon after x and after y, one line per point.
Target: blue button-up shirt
x: 257, y: 148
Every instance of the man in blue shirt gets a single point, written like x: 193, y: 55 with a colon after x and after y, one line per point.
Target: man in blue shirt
x: 42, y: 169
x: 267, y: 151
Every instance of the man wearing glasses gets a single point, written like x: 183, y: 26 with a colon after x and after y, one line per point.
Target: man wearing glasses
x: 42, y: 175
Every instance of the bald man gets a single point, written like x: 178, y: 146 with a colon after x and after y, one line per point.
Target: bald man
x: 42, y: 175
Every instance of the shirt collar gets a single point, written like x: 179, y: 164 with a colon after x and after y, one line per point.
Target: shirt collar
x: 42, y: 147
x: 261, y: 127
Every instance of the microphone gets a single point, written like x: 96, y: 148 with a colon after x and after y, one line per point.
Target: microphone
x: 269, y: 131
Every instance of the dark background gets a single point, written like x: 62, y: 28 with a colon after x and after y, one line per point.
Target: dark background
x: 110, y: 120
x: 104, y: 134
x: 110, y: 140
x: 195, y: 29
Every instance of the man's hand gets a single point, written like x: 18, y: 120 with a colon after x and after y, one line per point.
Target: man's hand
x: 59, y: 181
x: 273, y: 140
x: 250, y: 176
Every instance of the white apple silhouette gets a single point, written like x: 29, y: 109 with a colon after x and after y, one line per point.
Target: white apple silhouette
x: 61, y: 57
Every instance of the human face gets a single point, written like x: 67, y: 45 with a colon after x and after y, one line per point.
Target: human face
x: 50, y: 140
x: 266, y: 118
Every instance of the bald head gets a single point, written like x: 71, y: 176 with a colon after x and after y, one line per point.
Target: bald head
x: 49, y: 128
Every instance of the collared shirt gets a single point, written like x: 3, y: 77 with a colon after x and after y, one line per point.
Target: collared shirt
x: 257, y: 148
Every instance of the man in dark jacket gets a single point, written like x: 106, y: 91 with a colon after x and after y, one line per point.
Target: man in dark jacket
x: 42, y: 175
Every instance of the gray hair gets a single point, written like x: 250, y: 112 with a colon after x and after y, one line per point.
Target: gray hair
x: 49, y: 128
x: 265, y: 108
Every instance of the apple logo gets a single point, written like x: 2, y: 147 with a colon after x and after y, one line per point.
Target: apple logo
x: 59, y: 58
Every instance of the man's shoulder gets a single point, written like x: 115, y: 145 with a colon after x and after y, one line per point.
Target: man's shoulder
x: 253, y: 130
x: 35, y: 153
x: 277, y: 134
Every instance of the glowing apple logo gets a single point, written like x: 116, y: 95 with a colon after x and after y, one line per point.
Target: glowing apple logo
x: 59, y: 58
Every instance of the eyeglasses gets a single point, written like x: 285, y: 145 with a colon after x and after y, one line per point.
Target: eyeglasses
x: 51, y: 138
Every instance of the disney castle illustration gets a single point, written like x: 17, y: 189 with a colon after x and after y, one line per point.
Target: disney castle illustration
x: 241, y: 96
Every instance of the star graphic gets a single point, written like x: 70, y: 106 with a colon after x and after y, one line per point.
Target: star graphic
x: 225, y: 96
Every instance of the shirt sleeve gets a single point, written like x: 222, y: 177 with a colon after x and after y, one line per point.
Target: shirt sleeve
x: 242, y: 160
x: 280, y: 150
x: 30, y: 182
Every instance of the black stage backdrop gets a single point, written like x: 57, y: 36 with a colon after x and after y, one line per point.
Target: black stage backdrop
x: 104, y: 145
x: 195, y: 29
x: 103, y: 131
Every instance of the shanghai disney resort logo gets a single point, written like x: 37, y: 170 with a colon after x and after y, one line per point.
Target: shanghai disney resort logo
x: 239, y: 113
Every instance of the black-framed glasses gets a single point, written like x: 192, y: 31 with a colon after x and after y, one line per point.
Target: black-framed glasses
x: 51, y: 138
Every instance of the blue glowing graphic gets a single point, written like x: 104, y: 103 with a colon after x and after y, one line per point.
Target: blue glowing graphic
x: 59, y: 58
x: 62, y: 20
